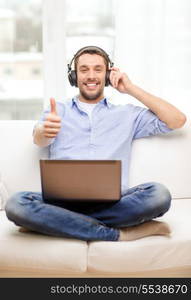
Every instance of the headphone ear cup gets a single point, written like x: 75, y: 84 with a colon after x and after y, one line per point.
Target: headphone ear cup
x: 107, y: 78
x: 72, y: 78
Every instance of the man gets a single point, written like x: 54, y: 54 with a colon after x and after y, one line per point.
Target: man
x: 90, y: 127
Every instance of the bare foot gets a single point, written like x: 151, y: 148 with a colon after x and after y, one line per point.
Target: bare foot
x: 143, y: 230
x: 24, y: 230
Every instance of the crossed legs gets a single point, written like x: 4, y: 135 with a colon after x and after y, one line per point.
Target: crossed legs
x: 126, y: 219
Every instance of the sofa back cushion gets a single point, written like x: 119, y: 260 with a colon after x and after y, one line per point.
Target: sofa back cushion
x: 19, y: 157
x: 166, y: 159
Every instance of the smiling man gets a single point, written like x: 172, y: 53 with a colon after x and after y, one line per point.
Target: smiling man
x: 90, y: 127
x: 91, y: 72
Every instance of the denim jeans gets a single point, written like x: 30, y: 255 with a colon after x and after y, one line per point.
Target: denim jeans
x: 89, y: 221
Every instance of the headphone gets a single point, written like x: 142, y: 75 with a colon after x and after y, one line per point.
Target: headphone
x: 72, y: 74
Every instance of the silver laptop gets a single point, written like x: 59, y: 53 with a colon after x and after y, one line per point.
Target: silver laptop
x: 81, y: 180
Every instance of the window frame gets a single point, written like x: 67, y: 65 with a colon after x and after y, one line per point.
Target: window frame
x: 54, y: 49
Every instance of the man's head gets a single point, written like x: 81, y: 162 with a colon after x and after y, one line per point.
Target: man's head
x: 91, y: 72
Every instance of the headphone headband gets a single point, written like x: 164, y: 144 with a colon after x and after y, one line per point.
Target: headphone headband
x: 72, y: 76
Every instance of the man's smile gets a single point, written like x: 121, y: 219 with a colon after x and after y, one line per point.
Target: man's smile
x: 92, y: 85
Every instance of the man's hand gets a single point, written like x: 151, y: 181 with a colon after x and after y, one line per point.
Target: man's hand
x: 120, y: 81
x: 165, y: 111
x: 52, y: 123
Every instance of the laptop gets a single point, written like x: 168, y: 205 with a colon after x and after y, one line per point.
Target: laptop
x: 80, y: 180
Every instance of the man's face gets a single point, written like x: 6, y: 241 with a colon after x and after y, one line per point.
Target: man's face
x: 91, y: 71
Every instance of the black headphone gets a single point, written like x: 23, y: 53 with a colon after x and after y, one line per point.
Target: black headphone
x: 72, y: 75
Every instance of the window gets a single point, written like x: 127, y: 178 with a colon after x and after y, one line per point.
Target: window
x: 89, y: 23
x: 153, y: 46
x: 21, y: 84
x: 69, y: 25
x: 8, y: 71
x: 149, y: 40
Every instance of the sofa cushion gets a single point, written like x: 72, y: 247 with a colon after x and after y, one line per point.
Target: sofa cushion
x: 38, y: 254
x: 19, y: 159
x: 150, y: 253
x: 3, y: 194
x: 164, y: 159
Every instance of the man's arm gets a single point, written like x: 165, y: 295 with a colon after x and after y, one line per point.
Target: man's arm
x: 45, y: 132
x: 165, y: 111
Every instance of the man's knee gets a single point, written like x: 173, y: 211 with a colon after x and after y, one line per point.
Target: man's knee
x: 12, y: 206
x: 162, y: 196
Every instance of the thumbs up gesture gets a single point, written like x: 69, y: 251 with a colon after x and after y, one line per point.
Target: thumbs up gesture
x: 52, y: 123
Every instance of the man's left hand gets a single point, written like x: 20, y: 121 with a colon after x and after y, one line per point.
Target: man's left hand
x: 120, y: 81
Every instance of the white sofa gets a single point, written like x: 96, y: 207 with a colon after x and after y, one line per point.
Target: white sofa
x: 166, y: 159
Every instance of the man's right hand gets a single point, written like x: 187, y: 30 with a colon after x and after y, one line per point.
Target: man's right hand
x: 52, y: 123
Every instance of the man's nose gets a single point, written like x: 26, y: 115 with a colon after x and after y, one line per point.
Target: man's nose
x: 91, y: 74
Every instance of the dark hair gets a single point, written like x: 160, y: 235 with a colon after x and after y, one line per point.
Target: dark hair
x: 91, y: 50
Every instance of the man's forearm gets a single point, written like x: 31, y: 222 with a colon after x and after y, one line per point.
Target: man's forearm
x: 39, y: 138
x: 165, y: 111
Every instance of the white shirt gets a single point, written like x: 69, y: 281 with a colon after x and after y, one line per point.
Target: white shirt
x: 87, y: 107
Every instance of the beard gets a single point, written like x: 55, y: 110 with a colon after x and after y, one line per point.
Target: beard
x: 91, y: 95
x: 88, y: 96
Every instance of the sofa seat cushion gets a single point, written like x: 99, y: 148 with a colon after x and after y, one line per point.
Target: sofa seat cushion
x: 37, y: 254
x: 149, y: 254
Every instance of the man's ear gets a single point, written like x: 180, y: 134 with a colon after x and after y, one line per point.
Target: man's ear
x: 107, y: 78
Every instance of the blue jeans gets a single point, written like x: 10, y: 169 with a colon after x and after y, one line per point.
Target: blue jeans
x: 89, y: 221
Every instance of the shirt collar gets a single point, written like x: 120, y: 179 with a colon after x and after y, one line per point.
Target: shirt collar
x: 104, y: 101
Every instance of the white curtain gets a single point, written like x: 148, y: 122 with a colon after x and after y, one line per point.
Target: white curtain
x: 153, y: 46
x: 54, y: 53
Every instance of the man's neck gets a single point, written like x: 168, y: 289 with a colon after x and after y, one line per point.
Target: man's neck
x: 81, y: 99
